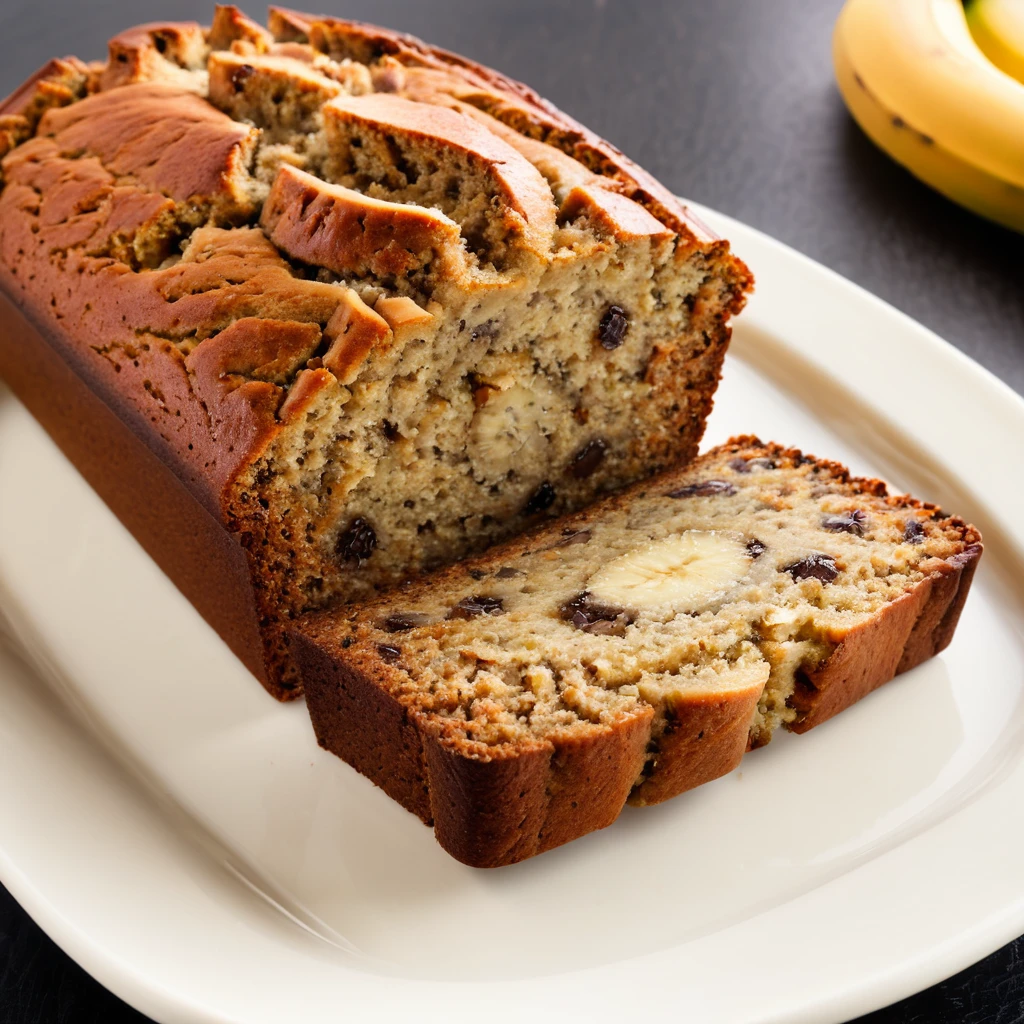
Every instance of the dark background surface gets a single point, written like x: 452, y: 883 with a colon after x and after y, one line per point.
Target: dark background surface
x: 730, y: 103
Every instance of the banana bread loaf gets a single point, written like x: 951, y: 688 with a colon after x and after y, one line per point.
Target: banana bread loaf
x: 634, y: 650
x: 358, y: 304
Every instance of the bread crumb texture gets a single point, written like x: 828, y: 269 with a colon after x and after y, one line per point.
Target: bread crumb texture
x: 379, y: 306
x: 671, y: 626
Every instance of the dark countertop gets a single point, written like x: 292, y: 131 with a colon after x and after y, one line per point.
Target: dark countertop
x: 730, y: 103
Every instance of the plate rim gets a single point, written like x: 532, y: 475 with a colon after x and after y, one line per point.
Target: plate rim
x: 876, y: 987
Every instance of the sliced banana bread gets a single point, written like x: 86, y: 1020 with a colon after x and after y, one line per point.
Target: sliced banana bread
x: 375, y: 306
x: 636, y: 649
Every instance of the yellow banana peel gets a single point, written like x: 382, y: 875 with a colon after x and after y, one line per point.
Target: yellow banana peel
x: 998, y: 28
x: 918, y: 84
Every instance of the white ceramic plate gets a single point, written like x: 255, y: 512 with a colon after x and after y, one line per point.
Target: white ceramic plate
x: 184, y: 839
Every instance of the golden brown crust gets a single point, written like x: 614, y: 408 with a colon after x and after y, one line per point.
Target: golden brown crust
x: 150, y: 495
x: 57, y: 83
x: 355, y: 331
x: 130, y: 328
x: 153, y: 52
x: 505, y: 805
x: 250, y: 87
x: 167, y: 138
x: 161, y: 438
x: 523, y: 192
x: 68, y: 72
x: 351, y: 233
x: 267, y: 350
x: 402, y: 314
x: 387, y: 748
x: 906, y: 633
x: 489, y: 806
x: 505, y: 99
x: 705, y: 738
x: 612, y: 214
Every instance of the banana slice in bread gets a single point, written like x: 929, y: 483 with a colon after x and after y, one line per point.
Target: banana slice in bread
x: 683, y: 573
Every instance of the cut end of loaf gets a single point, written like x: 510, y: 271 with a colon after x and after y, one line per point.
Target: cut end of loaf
x: 380, y: 306
x: 700, y: 610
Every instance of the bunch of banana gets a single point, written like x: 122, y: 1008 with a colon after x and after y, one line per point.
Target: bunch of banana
x: 941, y: 90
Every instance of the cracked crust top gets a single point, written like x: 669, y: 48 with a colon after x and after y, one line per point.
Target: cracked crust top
x: 146, y: 144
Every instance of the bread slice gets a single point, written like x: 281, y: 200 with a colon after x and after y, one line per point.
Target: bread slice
x: 634, y: 650
x: 375, y: 306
